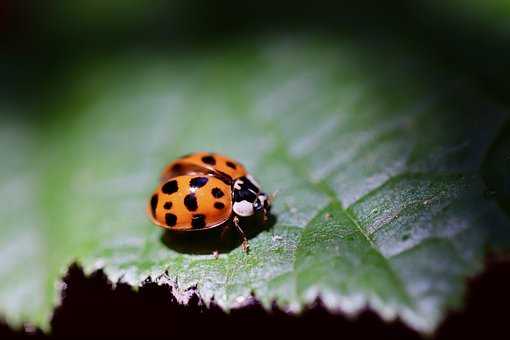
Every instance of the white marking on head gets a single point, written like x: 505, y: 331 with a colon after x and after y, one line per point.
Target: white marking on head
x: 243, y: 208
x: 259, y: 203
x: 237, y: 184
x: 262, y: 199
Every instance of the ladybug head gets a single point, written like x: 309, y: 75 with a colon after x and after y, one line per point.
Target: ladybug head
x: 248, y: 199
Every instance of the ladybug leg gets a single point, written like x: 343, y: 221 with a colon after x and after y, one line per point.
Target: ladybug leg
x: 245, y: 245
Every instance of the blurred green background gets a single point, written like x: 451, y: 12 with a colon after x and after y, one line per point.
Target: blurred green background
x: 42, y: 41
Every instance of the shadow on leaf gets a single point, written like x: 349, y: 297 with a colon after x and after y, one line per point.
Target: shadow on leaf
x: 223, y: 239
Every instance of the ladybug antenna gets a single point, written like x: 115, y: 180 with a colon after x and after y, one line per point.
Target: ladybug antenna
x: 272, y: 196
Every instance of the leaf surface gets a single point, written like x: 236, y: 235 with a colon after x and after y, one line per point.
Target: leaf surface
x: 374, y: 153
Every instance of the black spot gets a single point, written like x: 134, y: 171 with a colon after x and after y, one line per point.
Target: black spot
x: 219, y: 205
x: 209, y: 160
x: 198, y: 182
x: 154, y: 204
x: 190, y: 201
x: 167, y: 205
x: 177, y: 167
x: 198, y: 221
x: 216, y: 192
x: 170, y: 220
x: 231, y: 165
x: 170, y: 187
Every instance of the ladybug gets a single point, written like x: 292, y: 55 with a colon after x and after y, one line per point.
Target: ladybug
x: 204, y: 190
x: 204, y: 163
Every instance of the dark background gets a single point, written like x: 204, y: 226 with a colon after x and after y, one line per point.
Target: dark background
x: 91, y: 307
x: 40, y: 39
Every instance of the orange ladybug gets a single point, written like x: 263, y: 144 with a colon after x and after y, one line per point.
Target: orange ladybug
x: 204, y: 191
x: 204, y: 163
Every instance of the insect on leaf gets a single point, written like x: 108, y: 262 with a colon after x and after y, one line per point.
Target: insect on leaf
x: 373, y: 152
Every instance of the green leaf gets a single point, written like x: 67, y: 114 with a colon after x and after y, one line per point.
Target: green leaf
x: 374, y: 153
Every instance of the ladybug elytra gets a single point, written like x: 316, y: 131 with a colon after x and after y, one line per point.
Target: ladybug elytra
x: 205, y: 190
